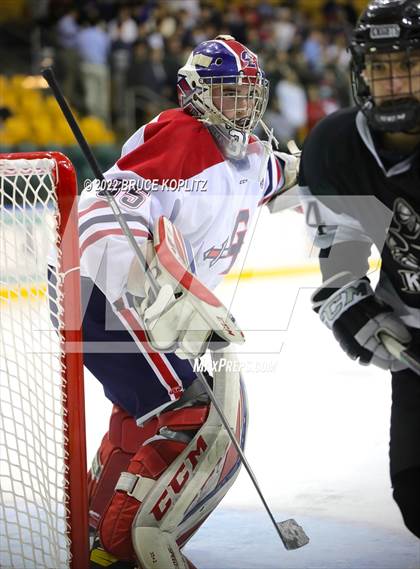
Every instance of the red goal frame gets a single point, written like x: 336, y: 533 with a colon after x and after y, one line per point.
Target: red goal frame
x: 71, y: 356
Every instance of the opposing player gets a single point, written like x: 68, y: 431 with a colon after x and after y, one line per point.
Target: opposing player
x: 188, y: 184
x: 360, y: 173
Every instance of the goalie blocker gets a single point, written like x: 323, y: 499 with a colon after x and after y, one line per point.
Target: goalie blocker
x: 185, y: 316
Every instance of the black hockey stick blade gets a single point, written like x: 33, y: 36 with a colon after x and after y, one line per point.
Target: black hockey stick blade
x: 293, y: 535
x: 400, y: 352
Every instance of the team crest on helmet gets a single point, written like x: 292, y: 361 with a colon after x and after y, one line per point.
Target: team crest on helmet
x: 248, y: 59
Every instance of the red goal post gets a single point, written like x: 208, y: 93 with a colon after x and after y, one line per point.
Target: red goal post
x: 42, y: 434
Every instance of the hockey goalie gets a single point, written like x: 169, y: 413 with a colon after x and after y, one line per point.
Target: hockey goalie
x: 188, y: 184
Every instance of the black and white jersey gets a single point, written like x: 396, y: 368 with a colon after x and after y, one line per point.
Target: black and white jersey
x: 356, y: 194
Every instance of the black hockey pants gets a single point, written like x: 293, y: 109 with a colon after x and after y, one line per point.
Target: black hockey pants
x: 405, y: 444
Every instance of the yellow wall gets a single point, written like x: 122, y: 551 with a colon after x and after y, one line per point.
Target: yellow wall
x: 315, y: 5
x: 12, y: 10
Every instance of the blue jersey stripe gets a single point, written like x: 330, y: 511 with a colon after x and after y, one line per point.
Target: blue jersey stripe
x: 270, y: 178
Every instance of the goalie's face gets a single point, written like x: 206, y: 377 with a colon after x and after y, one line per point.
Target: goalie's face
x: 239, y: 104
x: 393, y: 77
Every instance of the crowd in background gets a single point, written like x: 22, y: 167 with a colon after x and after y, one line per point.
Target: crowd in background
x: 117, y: 62
x: 105, y: 50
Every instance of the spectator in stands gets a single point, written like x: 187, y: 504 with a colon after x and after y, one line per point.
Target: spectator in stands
x: 284, y: 28
x: 235, y: 21
x: 172, y: 61
x: 278, y: 121
x: 147, y: 76
x: 68, y: 58
x: 313, y: 49
x: 191, y: 8
x: 321, y: 102
x: 292, y: 100
x: 137, y: 74
x: 123, y: 30
x: 147, y: 70
x: 93, y: 44
x: 254, y: 43
x: 338, y: 13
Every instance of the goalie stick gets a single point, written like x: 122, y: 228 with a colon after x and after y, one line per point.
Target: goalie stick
x: 290, y: 532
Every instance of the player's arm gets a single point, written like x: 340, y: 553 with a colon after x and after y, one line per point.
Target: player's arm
x: 348, y: 306
x: 106, y: 256
x: 282, y: 175
x: 346, y: 302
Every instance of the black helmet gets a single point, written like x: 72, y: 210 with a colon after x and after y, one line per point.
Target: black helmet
x: 387, y: 27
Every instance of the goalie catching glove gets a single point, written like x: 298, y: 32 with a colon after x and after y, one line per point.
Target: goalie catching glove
x: 357, y: 317
x: 185, y: 316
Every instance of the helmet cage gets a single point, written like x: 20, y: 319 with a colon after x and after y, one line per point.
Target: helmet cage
x: 235, y: 101
x: 384, y: 29
x: 391, y: 111
x: 228, y: 99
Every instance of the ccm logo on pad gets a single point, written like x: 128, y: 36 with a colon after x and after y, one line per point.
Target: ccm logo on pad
x: 165, y: 500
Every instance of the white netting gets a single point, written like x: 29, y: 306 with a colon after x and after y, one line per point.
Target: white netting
x: 32, y: 467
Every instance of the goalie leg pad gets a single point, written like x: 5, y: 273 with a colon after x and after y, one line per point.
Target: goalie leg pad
x: 145, y: 467
x: 191, y: 488
x: 176, y: 479
x: 117, y: 448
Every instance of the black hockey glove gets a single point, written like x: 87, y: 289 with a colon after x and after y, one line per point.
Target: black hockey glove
x: 357, y: 317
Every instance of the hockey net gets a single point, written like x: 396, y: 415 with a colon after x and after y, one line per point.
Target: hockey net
x: 43, y: 509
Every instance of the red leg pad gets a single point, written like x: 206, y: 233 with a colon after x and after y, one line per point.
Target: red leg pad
x: 117, y: 448
x: 115, y: 527
x: 186, y: 419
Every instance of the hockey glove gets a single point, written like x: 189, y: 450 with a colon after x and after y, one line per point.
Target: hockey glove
x: 357, y: 317
x: 185, y: 316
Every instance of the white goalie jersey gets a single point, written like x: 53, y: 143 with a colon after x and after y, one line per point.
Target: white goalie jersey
x: 173, y: 167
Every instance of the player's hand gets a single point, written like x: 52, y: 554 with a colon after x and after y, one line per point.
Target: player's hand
x: 357, y: 317
x: 174, y: 324
x: 184, y: 315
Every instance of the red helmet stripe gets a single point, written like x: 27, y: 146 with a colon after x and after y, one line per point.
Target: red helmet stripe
x: 238, y: 50
x: 234, y: 52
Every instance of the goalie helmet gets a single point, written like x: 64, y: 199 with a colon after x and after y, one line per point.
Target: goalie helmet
x: 385, y: 28
x: 223, y: 86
